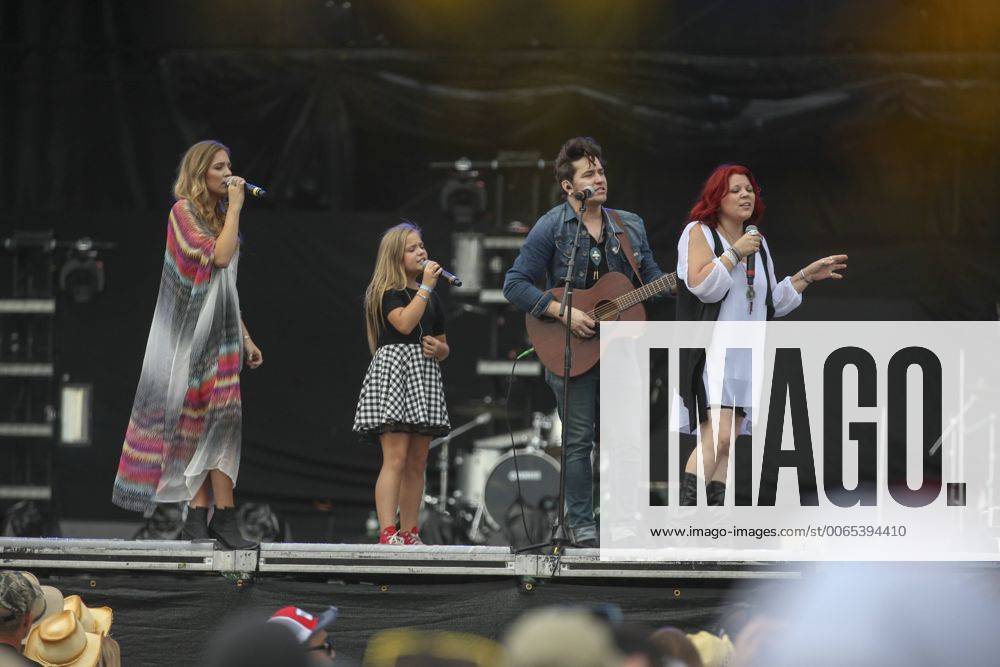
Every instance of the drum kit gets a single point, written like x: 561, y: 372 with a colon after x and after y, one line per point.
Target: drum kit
x: 496, y: 473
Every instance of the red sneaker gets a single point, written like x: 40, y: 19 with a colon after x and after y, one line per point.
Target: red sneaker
x: 390, y: 535
x: 411, y: 537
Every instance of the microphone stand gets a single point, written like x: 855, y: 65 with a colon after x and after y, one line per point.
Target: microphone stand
x: 559, y: 537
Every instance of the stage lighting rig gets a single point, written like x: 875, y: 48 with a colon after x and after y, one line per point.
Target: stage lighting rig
x: 463, y: 196
x: 82, y: 274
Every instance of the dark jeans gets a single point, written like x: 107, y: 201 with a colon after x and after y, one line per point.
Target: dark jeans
x: 580, y: 430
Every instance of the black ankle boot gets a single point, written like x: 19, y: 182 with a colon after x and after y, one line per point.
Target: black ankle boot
x: 689, y: 490
x: 223, y: 528
x: 196, y: 525
x: 716, y: 493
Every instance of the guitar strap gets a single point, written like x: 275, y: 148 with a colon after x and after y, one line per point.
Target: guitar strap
x: 626, y: 244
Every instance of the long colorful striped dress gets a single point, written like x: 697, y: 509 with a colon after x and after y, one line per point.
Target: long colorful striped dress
x: 187, y: 415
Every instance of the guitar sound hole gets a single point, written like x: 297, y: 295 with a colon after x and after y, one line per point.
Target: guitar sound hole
x: 606, y: 311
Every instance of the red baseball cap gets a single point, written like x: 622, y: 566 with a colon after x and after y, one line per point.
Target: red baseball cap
x: 303, y: 624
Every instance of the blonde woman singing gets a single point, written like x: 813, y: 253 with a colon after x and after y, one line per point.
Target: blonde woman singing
x: 184, y: 435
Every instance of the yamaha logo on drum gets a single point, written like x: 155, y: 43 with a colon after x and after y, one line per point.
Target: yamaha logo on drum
x: 504, y: 490
x: 526, y: 476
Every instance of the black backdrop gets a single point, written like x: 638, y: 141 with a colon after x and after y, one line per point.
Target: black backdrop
x: 872, y: 127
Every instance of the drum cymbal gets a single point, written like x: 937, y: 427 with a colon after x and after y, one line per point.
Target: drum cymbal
x: 503, y: 441
x: 474, y: 408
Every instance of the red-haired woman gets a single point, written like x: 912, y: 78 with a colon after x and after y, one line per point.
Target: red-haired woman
x: 713, y: 286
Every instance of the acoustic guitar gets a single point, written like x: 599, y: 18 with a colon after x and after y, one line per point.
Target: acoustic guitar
x: 612, y: 298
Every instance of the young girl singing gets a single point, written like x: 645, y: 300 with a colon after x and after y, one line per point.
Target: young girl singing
x: 402, y: 398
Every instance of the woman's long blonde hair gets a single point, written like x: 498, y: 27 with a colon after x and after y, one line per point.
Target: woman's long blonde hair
x: 388, y: 275
x: 190, y: 183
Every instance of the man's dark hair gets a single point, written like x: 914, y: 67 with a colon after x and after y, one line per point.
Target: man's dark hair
x: 634, y: 640
x: 246, y: 643
x: 573, y: 150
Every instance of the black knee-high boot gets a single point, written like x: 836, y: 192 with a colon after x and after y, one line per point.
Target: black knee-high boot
x: 689, y: 490
x: 716, y: 493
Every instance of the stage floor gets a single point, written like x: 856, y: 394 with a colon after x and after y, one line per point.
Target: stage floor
x: 360, y: 559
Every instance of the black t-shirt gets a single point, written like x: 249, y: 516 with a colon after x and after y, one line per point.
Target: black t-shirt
x: 597, y: 261
x: 431, y: 323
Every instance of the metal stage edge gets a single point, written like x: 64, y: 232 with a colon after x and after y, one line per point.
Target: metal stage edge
x: 361, y: 559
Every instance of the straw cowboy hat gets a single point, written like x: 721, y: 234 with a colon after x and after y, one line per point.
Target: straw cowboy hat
x: 59, y: 641
x: 94, y: 619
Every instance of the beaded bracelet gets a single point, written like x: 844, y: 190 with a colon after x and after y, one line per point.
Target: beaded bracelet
x: 423, y: 297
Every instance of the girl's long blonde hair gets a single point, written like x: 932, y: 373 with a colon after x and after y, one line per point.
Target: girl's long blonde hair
x: 388, y: 275
x: 190, y: 183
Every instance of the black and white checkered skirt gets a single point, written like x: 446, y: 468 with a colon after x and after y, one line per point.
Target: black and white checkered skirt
x: 402, y: 391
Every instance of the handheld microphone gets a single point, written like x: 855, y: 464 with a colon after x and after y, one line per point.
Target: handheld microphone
x: 254, y: 190
x: 752, y: 230
x: 450, y: 277
x: 586, y: 193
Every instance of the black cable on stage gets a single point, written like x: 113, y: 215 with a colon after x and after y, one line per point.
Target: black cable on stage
x: 510, y: 432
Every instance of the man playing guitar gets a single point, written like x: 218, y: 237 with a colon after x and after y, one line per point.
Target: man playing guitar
x: 610, y: 242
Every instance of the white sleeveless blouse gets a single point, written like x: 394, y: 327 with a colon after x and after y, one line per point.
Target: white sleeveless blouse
x: 735, y: 386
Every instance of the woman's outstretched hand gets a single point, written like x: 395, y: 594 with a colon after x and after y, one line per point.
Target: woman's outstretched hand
x: 828, y: 267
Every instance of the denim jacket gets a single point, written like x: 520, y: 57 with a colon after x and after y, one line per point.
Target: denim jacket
x: 547, y: 248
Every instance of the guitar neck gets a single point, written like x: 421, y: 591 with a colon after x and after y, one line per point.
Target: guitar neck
x: 647, y: 291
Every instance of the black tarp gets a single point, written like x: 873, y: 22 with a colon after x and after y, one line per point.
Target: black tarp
x: 164, y: 619
x: 98, y: 103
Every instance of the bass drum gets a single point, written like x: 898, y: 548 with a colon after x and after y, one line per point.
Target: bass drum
x: 539, y: 476
x: 474, y: 468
